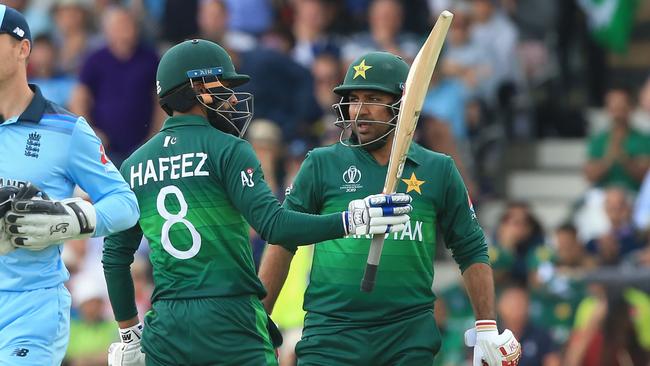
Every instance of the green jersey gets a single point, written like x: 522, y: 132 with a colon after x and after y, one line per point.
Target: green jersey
x: 332, y: 176
x: 635, y: 145
x: 198, y: 189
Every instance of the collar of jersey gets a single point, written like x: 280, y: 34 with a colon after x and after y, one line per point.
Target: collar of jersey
x: 410, y: 157
x: 185, y: 120
x: 35, y: 109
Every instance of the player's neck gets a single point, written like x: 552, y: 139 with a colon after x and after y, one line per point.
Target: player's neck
x: 382, y: 155
x: 15, y: 96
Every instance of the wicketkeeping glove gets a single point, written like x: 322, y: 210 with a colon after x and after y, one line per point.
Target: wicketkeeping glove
x: 128, y: 352
x: 377, y: 214
x: 36, y: 222
x: 492, y: 348
x: 7, y: 193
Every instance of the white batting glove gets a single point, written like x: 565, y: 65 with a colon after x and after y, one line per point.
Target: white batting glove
x: 7, y: 194
x: 377, y: 214
x: 128, y: 352
x: 36, y: 222
x: 492, y: 348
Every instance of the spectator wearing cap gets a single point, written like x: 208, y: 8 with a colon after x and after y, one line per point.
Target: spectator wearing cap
x: 116, y: 87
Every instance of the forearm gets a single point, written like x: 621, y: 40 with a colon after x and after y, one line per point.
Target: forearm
x: 116, y: 212
x: 636, y: 167
x: 117, y: 259
x: 273, y: 273
x: 128, y: 323
x: 291, y: 228
x: 480, y: 288
x: 596, y: 169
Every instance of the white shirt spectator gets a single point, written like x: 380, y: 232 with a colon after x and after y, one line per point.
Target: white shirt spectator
x: 642, y: 205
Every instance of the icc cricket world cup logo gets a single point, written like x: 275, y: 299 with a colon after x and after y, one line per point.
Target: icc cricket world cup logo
x: 352, y: 175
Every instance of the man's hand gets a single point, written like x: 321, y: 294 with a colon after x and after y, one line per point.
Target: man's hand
x: 128, y: 352
x: 492, y: 348
x: 7, y: 194
x: 36, y: 222
x: 377, y: 214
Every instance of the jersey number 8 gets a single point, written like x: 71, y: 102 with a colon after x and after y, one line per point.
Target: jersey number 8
x: 171, y: 219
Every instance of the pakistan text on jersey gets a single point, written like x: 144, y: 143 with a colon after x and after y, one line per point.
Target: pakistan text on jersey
x: 171, y: 167
x: 412, y: 232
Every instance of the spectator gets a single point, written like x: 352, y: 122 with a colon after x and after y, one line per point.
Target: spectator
x: 519, y: 233
x: 43, y: 71
x: 385, y: 18
x: 567, y: 260
x: 283, y: 89
x: 492, y: 30
x: 91, y: 333
x: 464, y: 58
x: 266, y: 138
x: 72, y: 35
x: 537, y: 346
x: 178, y: 21
x: 326, y: 70
x: 622, y: 238
x: 642, y: 206
x: 610, y: 329
x: 116, y: 87
x: 312, y: 17
x: 621, y: 155
x: 555, y: 281
x: 212, y: 19
x: 250, y: 16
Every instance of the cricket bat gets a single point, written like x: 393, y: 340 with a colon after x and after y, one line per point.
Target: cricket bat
x: 415, y: 89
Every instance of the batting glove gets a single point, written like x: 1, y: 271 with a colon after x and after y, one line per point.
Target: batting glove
x: 36, y: 222
x: 128, y: 352
x: 7, y: 193
x: 377, y: 214
x: 492, y: 348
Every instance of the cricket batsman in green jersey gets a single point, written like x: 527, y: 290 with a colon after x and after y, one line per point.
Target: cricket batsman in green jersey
x: 199, y: 186
x: 394, y: 324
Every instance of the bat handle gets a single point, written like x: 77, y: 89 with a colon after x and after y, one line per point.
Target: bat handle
x: 370, y: 274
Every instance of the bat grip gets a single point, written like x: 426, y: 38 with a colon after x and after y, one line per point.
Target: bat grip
x: 372, y: 264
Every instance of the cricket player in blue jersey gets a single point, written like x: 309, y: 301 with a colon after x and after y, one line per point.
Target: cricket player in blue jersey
x: 44, y: 152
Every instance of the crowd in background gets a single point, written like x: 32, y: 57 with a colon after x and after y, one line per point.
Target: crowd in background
x: 508, y: 73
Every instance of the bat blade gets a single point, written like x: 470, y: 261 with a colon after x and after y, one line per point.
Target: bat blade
x: 415, y: 89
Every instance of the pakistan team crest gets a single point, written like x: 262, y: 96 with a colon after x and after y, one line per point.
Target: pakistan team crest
x: 351, y: 179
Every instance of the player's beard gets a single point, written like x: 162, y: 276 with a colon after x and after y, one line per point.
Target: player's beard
x: 377, y: 142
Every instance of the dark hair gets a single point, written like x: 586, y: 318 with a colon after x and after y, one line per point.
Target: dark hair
x: 569, y: 227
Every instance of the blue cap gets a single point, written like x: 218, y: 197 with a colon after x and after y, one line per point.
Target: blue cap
x: 14, y: 24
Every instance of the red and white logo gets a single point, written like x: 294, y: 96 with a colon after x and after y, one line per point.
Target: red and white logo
x: 102, y: 155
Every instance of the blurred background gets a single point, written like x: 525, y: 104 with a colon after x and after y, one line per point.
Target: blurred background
x: 544, y: 106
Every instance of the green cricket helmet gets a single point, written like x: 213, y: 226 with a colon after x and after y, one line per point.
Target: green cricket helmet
x: 379, y: 71
x: 200, y: 71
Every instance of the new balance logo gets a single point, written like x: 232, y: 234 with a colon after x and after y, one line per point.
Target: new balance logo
x: 20, y: 352
x: 19, y: 32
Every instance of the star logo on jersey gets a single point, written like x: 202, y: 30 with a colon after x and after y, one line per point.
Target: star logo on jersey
x: 360, y: 69
x: 413, y: 184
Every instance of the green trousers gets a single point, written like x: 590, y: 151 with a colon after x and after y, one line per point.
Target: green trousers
x: 207, y: 332
x: 409, y: 342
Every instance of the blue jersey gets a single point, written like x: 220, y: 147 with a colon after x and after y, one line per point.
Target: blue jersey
x: 56, y: 150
